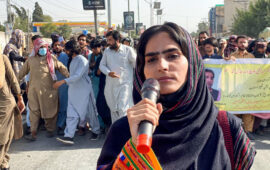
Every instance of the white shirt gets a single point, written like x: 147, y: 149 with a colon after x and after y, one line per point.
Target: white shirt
x: 121, y: 62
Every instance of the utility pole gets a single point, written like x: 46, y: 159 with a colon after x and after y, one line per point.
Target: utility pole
x: 151, y: 13
x: 128, y: 12
x: 109, y: 14
x: 96, y: 24
x: 28, y: 31
x: 138, y: 3
x: 9, y: 20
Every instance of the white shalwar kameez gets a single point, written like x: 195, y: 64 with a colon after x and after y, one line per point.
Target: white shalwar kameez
x: 81, y: 101
x: 118, y: 91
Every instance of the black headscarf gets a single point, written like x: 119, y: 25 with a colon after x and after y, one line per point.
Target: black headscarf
x: 188, y: 135
x: 188, y: 123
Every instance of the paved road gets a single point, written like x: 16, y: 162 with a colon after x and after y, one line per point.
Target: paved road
x: 48, y: 154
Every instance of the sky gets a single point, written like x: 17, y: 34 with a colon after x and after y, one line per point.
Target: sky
x: 186, y: 13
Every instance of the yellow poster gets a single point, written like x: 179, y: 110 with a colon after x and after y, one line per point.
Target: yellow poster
x: 241, y: 86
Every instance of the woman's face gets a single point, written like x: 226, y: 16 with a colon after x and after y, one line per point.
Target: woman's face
x: 165, y: 62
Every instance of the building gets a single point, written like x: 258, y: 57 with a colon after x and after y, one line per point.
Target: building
x: 230, y: 11
x: 216, y: 20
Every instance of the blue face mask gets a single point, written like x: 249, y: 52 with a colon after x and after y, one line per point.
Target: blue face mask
x: 42, y: 51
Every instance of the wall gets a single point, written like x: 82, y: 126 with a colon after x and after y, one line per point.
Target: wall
x: 3, y: 41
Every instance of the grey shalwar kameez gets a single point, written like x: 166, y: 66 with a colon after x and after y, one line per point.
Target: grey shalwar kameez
x: 81, y: 99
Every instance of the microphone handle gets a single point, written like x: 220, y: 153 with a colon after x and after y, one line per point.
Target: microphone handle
x: 144, y: 138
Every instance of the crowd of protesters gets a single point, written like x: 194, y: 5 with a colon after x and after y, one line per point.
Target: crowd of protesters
x: 85, y: 84
x: 61, y: 86
x: 236, y: 47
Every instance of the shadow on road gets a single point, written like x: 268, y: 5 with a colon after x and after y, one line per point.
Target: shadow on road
x: 262, y: 142
x: 51, y: 144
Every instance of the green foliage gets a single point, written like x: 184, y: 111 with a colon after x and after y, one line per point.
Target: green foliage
x: 254, y: 20
x: 2, y: 28
x: 21, y: 19
x: 47, y: 18
x: 202, y: 26
x: 38, y: 13
x: 48, y: 29
x: 194, y: 34
x: 65, y: 31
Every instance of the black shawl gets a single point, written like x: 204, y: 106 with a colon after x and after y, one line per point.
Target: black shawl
x: 188, y: 135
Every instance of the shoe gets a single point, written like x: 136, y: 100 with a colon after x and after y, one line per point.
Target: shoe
x: 60, y: 131
x: 250, y: 135
x: 31, y: 137
x: 260, y: 131
x: 49, y: 134
x: 66, y: 140
x: 94, y: 136
x: 266, y: 129
x: 102, y: 131
x: 27, y: 131
x: 81, y: 131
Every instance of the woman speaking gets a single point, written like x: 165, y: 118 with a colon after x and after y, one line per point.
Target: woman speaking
x: 188, y: 134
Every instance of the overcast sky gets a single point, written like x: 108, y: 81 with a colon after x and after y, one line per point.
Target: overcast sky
x: 187, y: 13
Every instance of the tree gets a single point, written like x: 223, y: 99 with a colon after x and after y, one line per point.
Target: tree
x: 37, y: 13
x: 202, y: 26
x: 2, y: 27
x: 48, y: 29
x: 254, y: 20
x: 47, y: 18
x: 21, y: 20
x: 65, y: 31
x: 243, y: 24
x: 194, y: 34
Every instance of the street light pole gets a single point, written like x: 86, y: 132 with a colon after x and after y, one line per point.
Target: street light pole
x: 109, y: 14
x: 138, y: 3
x: 151, y: 13
x: 96, y: 24
x: 128, y: 12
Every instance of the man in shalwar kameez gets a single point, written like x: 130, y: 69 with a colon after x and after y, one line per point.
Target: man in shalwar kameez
x: 9, y: 87
x: 42, y: 97
x: 117, y: 64
x: 81, y: 100
x: 63, y: 90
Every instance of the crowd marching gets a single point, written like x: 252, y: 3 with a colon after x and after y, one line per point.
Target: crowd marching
x: 85, y: 84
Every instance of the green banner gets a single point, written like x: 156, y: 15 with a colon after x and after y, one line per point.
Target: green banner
x: 241, y: 86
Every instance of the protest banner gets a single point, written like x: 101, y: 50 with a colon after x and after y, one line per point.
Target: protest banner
x: 241, y: 86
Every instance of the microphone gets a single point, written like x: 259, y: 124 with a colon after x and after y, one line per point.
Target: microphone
x: 150, y: 90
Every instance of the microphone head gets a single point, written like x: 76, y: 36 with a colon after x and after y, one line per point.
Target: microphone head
x: 150, y: 89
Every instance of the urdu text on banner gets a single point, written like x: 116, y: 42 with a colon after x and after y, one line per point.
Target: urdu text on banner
x: 241, y: 86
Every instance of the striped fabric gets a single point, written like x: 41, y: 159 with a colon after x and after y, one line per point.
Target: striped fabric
x: 244, y: 152
x: 131, y: 159
x: 225, y: 126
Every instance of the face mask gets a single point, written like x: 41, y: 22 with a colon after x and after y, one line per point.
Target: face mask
x: 42, y: 51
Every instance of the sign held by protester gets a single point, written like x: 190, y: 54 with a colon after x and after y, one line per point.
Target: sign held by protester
x: 241, y: 86
x: 93, y: 4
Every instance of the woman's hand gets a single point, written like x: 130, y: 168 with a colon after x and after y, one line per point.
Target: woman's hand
x: 144, y: 110
x: 20, y: 103
x: 57, y: 84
